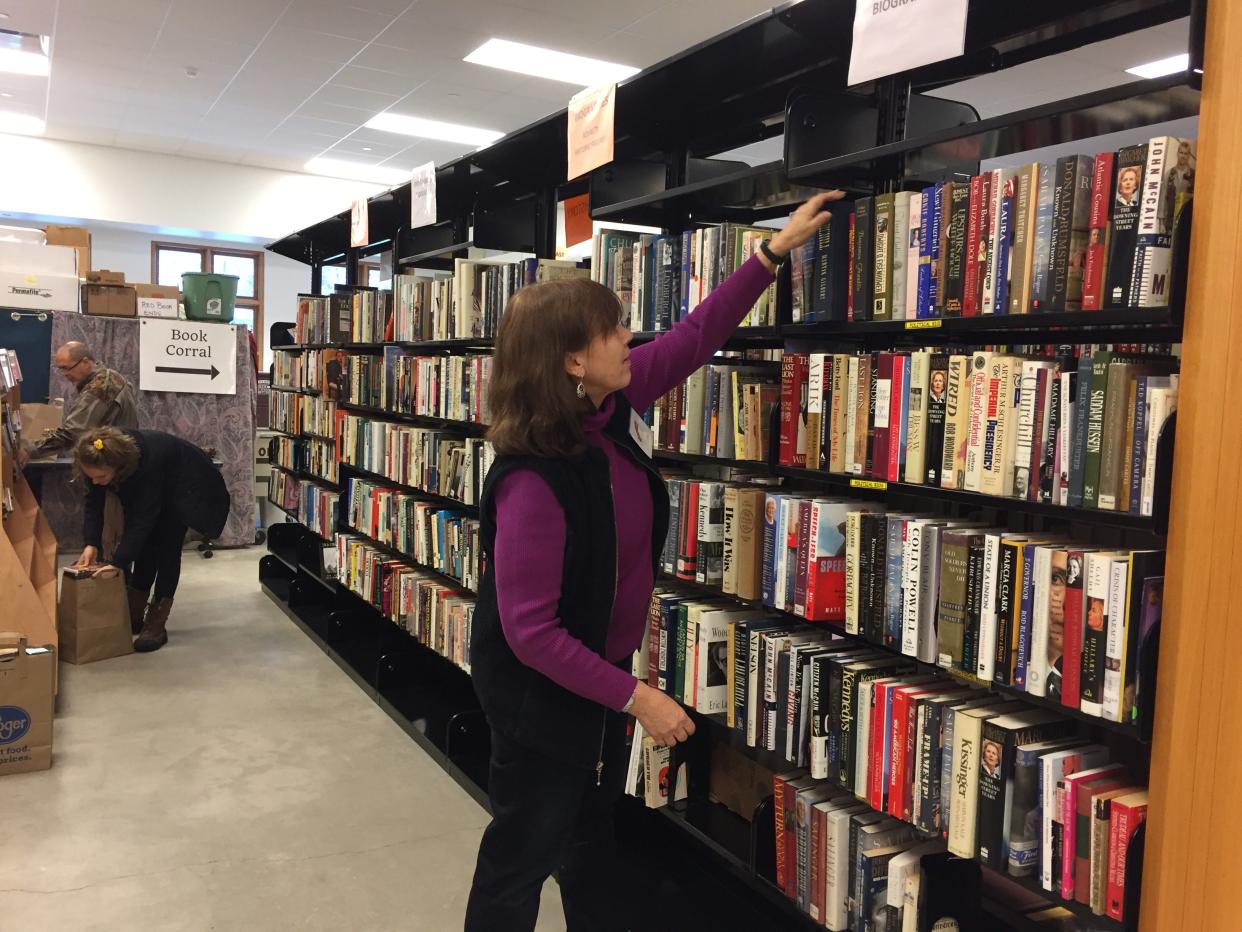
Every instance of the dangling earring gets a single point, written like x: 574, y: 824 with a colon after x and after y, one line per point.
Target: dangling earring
x: 581, y: 390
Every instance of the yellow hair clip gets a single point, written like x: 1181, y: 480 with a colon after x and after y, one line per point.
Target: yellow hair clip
x: 98, y: 444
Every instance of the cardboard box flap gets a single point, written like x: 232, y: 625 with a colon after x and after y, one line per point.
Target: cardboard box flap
x: 105, y: 277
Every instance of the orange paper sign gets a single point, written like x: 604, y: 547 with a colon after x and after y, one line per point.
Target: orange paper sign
x: 358, y: 232
x: 591, y: 128
x: 578, y: 227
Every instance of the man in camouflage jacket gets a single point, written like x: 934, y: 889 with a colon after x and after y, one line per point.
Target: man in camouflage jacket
x: 104, y: 399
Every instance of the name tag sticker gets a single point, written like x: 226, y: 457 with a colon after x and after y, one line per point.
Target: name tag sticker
x: 640, y: 432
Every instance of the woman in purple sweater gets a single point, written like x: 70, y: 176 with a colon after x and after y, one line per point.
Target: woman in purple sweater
x: 573, y: 518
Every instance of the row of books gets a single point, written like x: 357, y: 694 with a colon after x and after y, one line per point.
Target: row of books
x: 720, y: 410
x: 449, y: 387
x: 10, y: 370
x: 1083, y: 233
x: 306, y: 369
x: 307, y: 455
x: 302, y: 414
x: 662, y: 278
x: 437, y: 616
x: 1078, y: 430
x: 434, y: 461
x: 439, y: 538
x: 1036, y: 612
x: 314, y: 505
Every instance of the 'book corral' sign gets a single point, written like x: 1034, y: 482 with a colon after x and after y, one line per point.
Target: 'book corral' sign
x: 187, y: 356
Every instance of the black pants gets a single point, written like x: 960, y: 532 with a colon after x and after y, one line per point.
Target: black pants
x: 547, y: 817
x: 159, y: 561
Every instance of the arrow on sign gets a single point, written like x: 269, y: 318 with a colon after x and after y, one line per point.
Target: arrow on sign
x: 213, y: 371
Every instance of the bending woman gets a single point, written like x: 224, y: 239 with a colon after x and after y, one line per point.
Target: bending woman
x: 573, y: 517
x: 165, y: 484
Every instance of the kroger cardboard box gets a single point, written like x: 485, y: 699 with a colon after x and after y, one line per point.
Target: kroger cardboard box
x: 158, y: 301
x: 27, y: 698
x: 38, y: 278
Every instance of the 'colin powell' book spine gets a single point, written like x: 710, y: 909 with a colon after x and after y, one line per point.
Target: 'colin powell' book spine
x: 882, y: 251
x: 864, y: 230
x: 1097, y: 246
x: 1123, y: 232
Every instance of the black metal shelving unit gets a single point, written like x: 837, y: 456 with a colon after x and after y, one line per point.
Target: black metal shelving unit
x: 879, y: 137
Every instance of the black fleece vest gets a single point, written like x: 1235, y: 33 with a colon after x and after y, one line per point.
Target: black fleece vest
x: 520, y: 702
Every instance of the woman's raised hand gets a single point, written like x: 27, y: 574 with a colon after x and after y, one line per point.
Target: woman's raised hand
x: 803, y: 223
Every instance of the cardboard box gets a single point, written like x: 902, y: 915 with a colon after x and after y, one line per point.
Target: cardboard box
x: 158, y: 301
x: 104, y: 277
x: 109, y: 301
x: 38, y: 278
x: 27, y: 698
x: 77, y: 237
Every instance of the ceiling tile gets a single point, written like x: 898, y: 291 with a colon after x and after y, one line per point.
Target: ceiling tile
x: 33, y: 16
x: 404, y: 62
x: 323, y: 111
x: 333, y: 129
x: 211, y: 151
x: 354, y: 98
x: 361, y: 149
x: 227, y: 20
x: 336, y: 19
x: 365, y: 79
x: 292, y: 44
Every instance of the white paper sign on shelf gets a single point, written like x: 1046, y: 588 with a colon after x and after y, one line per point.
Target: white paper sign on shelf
x: 359, y: 235
x: 423, y: 195
x: 896, y: 35
x: 590, y: 128
x: 187, y: 356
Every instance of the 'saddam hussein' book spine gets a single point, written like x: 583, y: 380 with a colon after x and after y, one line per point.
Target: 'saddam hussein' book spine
x: 1026, y: 197
x: 1041, y: 253
x: 970, y: 270
x: 882, y: 258
x: 864, y: 265
x: 1131, y: 163
x: 1078, y: 445
x: 956, y: 250
x: 1094, y: 417
x: 1097, y: 232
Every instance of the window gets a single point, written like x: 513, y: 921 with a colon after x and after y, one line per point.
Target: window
x: 170, y: 260
x: 330, y: 277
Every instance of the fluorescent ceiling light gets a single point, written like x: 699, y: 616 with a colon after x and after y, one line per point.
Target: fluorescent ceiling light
x: 433, y: 129
x: 356, y: 171
x: 22, y: 123
x: 548, y: 63
x: 23, y: 53
x: 1158, y: 69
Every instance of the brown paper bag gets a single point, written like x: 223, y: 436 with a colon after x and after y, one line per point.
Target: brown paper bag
x: 93, y: 618
x: 27, y: 696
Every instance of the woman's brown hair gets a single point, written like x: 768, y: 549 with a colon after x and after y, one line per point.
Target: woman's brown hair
x: 107, y: 448
x: 533, y: 405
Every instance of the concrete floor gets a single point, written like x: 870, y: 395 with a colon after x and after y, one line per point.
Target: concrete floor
x: 234, y: 780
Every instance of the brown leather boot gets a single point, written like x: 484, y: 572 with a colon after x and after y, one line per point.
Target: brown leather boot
x: 137, y: 609
x: 154, y: 632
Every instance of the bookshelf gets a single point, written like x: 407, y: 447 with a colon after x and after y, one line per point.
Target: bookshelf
x: 897, y: 138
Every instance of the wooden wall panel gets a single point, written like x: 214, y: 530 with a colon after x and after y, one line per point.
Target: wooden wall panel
x: 1193, y: 869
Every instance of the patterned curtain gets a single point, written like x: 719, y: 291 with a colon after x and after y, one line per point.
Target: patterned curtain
x: 222, y: 422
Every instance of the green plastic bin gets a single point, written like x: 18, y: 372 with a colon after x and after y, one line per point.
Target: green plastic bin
x: 209, y: 296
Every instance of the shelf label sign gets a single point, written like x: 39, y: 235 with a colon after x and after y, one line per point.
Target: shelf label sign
x: 359, y: 235
x: 927, y: 324
x: 876, y: 485
x: 578, y: 227
x: 423, y: 195
x: 591, y: 114
x: 187, y: 356
x: 891, y: 36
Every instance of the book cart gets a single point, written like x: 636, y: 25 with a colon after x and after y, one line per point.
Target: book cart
x: 888, y: 136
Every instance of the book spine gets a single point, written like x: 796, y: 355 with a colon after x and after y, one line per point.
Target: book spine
x: 927, y: 232
x: 1116, y: 625
x: 1006, y: 600
x: 882, y: 266
x: 1041, y: 256
x: 1139, y: 445
x: 1078, y: 432
x: 1155, y: 222
x: 956, y: 250
x: 970, y: 275
x: 1004, y: 242
x: 1094, y: 418
x: 1025, y: 610
x: 996, y: 196
x: 988, y: 623
x: 1131, y: 163
x: 1062, y: 225
x: 864, y: 231
x: 1023, y: 239
x: 1097, y: 248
